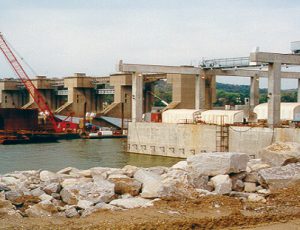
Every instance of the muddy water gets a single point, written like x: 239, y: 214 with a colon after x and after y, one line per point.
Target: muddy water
x: 81, y: 154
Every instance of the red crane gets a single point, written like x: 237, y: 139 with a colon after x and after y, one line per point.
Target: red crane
x: 35, y: 94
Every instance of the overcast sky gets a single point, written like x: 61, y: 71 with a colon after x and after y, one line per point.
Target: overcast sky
x: 61, y: 37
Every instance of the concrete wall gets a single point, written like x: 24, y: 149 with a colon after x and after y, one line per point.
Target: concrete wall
x: 11, y: 99
x: 251, y: 140
x: 176, y: 140
x: 182, y: 140
x: 10, y: 94
x: 183, y: 90
x: 123, y: 94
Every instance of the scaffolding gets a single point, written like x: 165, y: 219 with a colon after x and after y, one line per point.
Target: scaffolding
x: 222, y: 136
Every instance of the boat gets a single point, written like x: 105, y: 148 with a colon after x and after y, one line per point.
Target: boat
x: 102, y: 134
x: 28, y: 138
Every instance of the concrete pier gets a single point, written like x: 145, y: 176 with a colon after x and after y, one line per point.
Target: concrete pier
x: 45, y: 87
x: 254, y: 91
x: 274, y: 97
x: 148, y: 97
x: 183, y: 90
x: 200, y: 91
x: 298, y: 92
x: 137, y: 97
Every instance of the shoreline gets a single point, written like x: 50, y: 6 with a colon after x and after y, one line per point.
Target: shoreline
x: 210, y: 189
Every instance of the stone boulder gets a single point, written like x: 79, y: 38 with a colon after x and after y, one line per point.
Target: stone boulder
x: 99, y: 171
x: 212, y: 164
x: 115, y: 172
x: 99, y: 191
x: 48, y: 176
x: 126, y: 186
x: 255, y: 165
x: 152, y: 183
x: 45, y: 197
x: 177, y: 184
x: 82, y: 173
x: 132, y: 203
x: 198, y: 181
x: 159, y: 170
x: 222, y: 184
x: 256, y: 198
x: 281, y: 176
x: 281, y: 153
x: 4, y: 188
x: 130, y: 170
x: 52, y: 188
x: 68, y: 170
x: 37, y: 192
x: 238, y: 185
x: 252, y: 177
x: 180, y: 165
x: 117, y: 176
x: 74, y: 181
x: 71, y: 212
x: 41, y: 210
x: 13, y: 195
x: 10, y: 181
x: 250, y: 187
x: 105, y: 206
x: 84, y: 204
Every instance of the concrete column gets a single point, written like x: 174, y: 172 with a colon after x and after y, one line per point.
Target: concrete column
x: 274, y: 86
x: 99, y: 99
x: 137, y: 97
x: 210, y: 91
x: 148, y: 97
x: 298, y: 96
x: 200, y: 91
x: 254, y: 91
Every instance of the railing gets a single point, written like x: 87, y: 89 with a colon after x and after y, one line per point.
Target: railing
x: 226, y: 62
x: 105, y: 91
x: 63, y: 92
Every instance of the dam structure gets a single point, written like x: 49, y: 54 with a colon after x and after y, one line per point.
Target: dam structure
x: 129, y: 94
x: 195, y: 88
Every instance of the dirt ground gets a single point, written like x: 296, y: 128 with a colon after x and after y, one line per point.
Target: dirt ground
x: 281, y: 211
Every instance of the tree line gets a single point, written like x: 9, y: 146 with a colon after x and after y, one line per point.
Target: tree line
x: 227, y: 94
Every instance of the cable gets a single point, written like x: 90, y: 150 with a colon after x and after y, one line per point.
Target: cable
x: 21, y: 58
x: 240, y: 131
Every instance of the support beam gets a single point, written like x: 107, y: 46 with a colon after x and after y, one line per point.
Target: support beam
x: 274, y: 86
x: 139, y: 68
x: 200, y: 91
x: 137, y: 97
x: 264, y: 57
x: 148, y: 69
x: 251, y: 73
x: 298, y: 93
x: 254, y: 91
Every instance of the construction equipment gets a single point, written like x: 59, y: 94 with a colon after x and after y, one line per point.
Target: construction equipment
x: 32, y: 90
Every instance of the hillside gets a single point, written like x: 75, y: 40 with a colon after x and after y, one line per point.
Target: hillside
x: 226, y: 94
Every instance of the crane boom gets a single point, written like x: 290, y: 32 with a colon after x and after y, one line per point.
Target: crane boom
x: 35, y: 94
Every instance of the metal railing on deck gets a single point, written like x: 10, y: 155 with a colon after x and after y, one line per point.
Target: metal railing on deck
x: 226, y: 63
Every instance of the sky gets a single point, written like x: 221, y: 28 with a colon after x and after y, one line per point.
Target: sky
x: 61, y: 37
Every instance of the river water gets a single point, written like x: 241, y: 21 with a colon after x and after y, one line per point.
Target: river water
x: 78, y: 153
